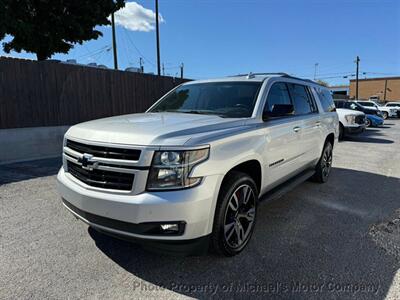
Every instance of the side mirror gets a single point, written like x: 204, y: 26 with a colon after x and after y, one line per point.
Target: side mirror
x: 279, y: 110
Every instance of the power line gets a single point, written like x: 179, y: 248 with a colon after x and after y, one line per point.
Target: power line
x: 137, y: 50
x: 94, y: 52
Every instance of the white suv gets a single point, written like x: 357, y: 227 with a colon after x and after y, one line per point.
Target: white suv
x: 394, y: 105
x: 189, y: 172
x: 386, y: 111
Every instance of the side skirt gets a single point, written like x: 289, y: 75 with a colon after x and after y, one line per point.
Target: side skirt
x: 287, y: 186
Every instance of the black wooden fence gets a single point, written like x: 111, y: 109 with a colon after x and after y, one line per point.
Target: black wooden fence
x: 51, y: 93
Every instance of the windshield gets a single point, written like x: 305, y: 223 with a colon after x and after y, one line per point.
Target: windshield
x: 225, y: 99
x: 367, y: 104
x: 353, y: 105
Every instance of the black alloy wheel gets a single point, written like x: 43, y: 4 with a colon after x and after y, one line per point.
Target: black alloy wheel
x: 235, y: 214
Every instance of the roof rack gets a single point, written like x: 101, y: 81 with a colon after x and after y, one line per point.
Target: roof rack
x: 286, y: 75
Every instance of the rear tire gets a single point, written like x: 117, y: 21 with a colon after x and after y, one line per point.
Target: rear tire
x: 323, y: 168
x: 341, y: 132
x: 367, y: 122
x: 385, y: 115
x: 235, y: 214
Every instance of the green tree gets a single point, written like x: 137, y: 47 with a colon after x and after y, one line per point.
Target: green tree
x: 45, y: 27
x: 321, y: 82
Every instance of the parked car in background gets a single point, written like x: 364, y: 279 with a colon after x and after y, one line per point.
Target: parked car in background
x: 356, y: 106
x: 188, y: 173
x: 395, y: 105
x: 373, y: 121
x: 386, y: 111
x: 350, y: 122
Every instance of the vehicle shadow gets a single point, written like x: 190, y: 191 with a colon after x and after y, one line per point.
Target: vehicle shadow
x: 370, y: 135
x: 16, y: 172
x: 312, y: 243
x: 367, y: 139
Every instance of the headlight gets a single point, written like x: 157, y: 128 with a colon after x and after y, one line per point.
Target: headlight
x: 171, y: 169
x: 351, y: 119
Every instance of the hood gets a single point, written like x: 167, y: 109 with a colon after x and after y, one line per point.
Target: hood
x: 158, y: 129
x: 374, y: 117
x: 346, y: 111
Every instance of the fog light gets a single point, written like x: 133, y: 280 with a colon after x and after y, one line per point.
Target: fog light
x: 170, y: 227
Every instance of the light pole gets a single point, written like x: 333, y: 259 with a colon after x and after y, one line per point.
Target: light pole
x: 158, y: 41
x: 114, y: 42
x: 315, y: 70
x: 357, y: 67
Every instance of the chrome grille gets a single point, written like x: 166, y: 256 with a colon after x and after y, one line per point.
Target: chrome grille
x: 106, y: 152
x: 360, y: 120
x: 106, y: 167
x: 102, y: 179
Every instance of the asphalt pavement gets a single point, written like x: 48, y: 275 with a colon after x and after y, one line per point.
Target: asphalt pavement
x: 324, y: 241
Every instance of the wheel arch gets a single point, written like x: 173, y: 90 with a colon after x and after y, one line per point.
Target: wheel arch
x: 250, y: 167
x: 330, y: 138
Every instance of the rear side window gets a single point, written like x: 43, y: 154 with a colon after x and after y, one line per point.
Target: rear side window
x: 278, y: 94
x: 302, y: 101
x: 326, y: 99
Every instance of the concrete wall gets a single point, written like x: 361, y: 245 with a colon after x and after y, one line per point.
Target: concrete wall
x: 21, y: 144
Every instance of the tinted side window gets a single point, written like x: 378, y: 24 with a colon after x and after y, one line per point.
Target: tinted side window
x: 278, y: 94
x: 339, y: 104
x: 302, y: 102
x: 326, y: 99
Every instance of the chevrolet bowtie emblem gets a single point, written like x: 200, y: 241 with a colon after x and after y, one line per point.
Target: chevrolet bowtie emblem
x: 86, y: 160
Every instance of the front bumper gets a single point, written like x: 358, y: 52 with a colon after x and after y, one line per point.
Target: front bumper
x: 377, y: 122
x: 124, y: 215
x: 393, y: 114
x: 354, y: 129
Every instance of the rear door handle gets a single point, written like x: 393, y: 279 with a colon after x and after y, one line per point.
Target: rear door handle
x: 296, y: 129
x: 317, y: 124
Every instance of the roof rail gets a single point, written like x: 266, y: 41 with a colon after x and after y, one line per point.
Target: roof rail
x: 253, y: 74
x: 286, y: 75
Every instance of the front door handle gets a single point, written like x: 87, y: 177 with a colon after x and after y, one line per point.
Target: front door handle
x: 317, y: 124
x: 296, y: 129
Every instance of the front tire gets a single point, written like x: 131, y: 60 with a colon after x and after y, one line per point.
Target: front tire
x: 367, y: 122
x: 324, y: 165
x: 385, y: 115
x: 341, y: 132
x: 235, y: 214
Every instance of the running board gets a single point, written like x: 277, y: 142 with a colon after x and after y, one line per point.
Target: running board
x: 287, y: 186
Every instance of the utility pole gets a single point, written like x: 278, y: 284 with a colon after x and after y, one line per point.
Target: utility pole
x: 158, y: 40
x: 163, y: 69
x: 357, y: 64
x: 181, y: 67
x: 384, y: 93
x: 114, y: 42
x: 141, y: 64
x: 315, y: 70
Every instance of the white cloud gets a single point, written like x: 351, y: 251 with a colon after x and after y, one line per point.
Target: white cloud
x: 136, y: 18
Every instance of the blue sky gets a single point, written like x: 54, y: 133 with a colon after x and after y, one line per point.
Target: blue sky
x: 217, y: 38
